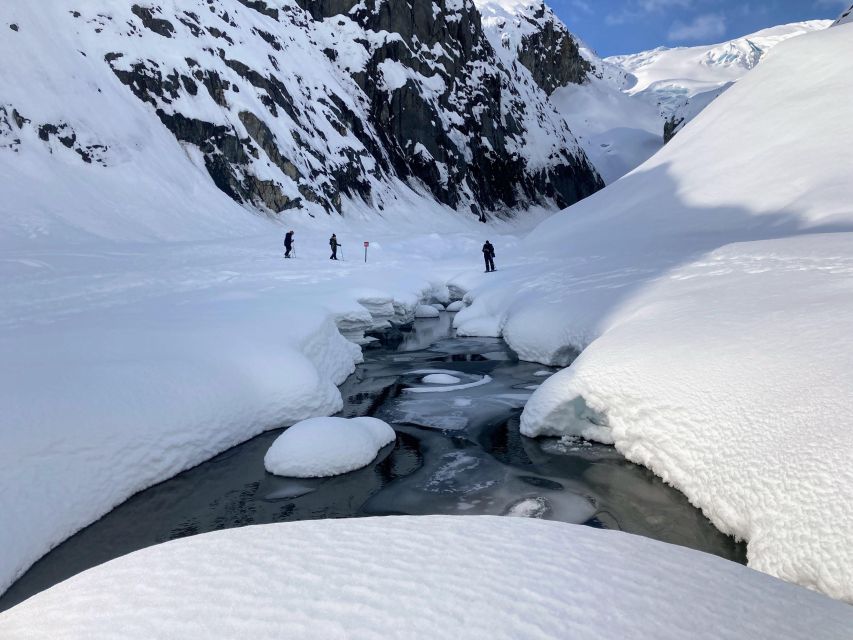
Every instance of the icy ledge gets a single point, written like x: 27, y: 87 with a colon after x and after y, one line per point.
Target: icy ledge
x: 424, y: 577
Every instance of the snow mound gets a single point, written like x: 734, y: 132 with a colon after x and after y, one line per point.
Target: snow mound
x: 375, y: 577
x: 455, y: 306
x: 710, y: 292
x: 436, y: 375
x: 426, y: 311
x: 322, y: 447
x: 440, y: 378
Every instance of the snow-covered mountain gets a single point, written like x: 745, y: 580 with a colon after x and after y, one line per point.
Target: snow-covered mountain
x: 845, y: 17
x: 285, y: 106
x: 622, y: 109
x: 616, y: 132
x: 681, y: 82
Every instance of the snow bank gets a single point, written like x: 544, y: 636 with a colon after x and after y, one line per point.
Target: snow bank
x: 711, y: 291
x: 731, y: 381
x: 125, y: 364
x: 433, y: 576
x: 321, y: 447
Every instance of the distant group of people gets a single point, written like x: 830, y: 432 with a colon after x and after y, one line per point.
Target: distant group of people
x: 488, y: 250
x: 288, y: 245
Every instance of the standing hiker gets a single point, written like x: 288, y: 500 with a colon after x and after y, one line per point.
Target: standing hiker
x: 489, y: 256
x: 288, y: 243
x: 333, y: 243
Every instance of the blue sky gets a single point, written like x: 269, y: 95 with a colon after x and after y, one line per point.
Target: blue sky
x: 627, y: 26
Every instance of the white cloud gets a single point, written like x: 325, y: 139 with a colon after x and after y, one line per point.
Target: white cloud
x: 641, y: 8
x: 660, y: 5
x: 583, y: 6
x: 704, y: 27
x: 832, y: 4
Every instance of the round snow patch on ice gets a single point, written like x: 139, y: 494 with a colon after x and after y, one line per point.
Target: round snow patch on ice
x: 321, y: 447
x: 426, y: 311
x: 440, y: 378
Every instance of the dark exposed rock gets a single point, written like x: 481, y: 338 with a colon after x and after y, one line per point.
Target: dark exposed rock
x: 261, y: 134
x: 261, y: 7
x: 552, y: 56
x: 449, y: 118
x: 671, y: 127
x: 157, y: 25
x: 13, y: 27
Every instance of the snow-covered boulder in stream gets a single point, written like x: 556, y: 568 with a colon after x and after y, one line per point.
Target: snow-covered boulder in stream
x: 321, y: 447
x: 399, y: 577
x: 426, y: 311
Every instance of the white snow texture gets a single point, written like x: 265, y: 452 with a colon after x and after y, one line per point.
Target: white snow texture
x: 321, y: 447
x: 711, y: 291
x: 425, y: 577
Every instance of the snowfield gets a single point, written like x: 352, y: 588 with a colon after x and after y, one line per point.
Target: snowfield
x: 322, y: 447
x: 432, y: 576
x: 711, y: 293
x: 125, y: 364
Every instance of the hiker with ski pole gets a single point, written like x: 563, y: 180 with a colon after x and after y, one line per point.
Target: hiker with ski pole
x: 334, y: 244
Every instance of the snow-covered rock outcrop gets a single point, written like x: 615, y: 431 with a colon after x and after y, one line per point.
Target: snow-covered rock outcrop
x: 845, y: 17
x: 431, y: 576
x: 282, y: 106
x: 322, y: 447
x: 710, y: 292
x: 616, y: 132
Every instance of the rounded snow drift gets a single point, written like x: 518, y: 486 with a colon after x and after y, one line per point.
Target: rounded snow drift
x: 426, y: 311
x: 322, y: 447
x: 456, y: 306
x: 440, y: 378
x: 396, y: 577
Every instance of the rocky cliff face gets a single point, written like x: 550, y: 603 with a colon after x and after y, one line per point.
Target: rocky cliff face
x: 539, y: 40
x: 308, y: 104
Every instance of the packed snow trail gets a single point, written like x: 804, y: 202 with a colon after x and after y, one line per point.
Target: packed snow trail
x: 712, y: 291
x: 431, y: 576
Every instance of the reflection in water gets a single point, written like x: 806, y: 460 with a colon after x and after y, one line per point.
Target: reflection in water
x: 457, y: 452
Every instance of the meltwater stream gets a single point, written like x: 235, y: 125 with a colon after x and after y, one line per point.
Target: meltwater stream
x: 458, y: 451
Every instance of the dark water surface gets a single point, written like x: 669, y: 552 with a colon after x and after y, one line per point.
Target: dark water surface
x: 457, y: 452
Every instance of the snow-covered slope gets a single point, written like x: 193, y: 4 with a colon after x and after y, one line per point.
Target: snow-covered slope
x: 617, y: 132
x: 684, y: 80
x: 132, y: 113
x: 845, y: 17
x: 712, y: 290
x: 427, y: 577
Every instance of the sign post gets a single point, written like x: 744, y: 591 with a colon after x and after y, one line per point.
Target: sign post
x: 366, y: 244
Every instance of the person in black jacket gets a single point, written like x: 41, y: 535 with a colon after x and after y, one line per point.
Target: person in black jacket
x: 489, y: 256
x: 288, y: 243
x: 333, y: 243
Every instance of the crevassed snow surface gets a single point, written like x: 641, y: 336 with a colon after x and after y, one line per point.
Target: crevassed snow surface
x: 321, y: 447
x: 436, y: 576
x: 669, y: 77
x: 712, y: 290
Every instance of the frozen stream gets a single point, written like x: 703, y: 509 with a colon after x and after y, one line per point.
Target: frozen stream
x: 458, y: 451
